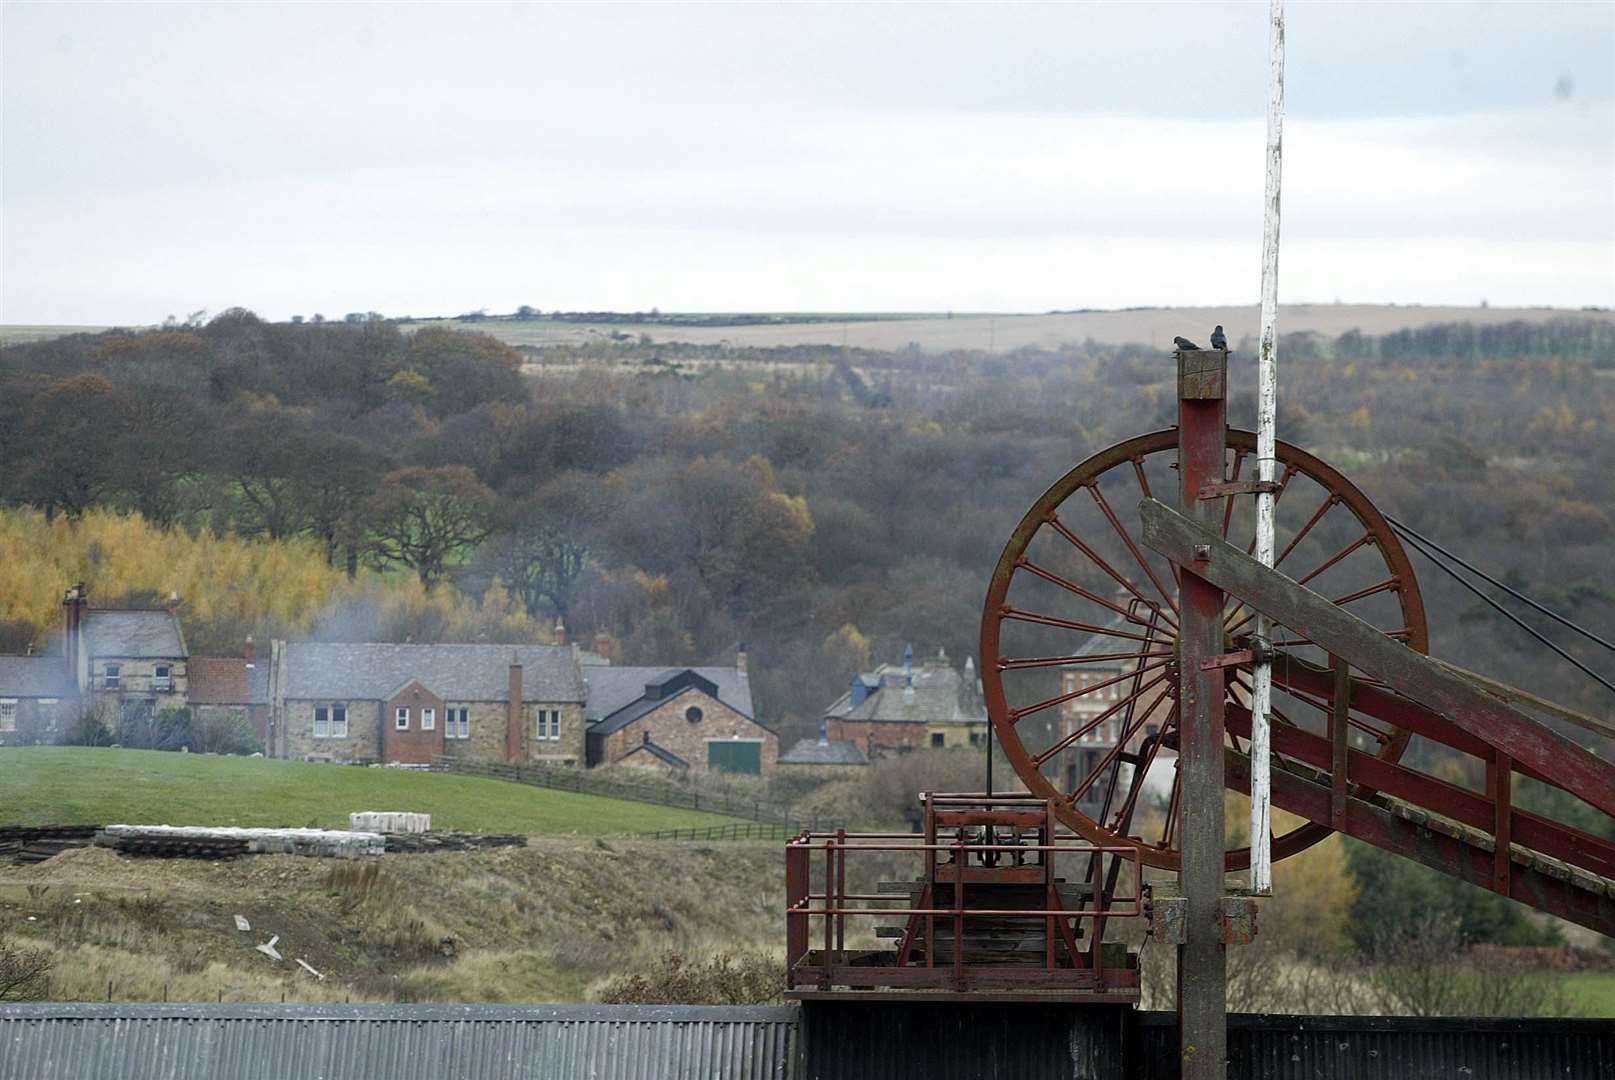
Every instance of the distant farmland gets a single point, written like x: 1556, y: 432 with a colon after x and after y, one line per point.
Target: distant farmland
x: 941, y: 331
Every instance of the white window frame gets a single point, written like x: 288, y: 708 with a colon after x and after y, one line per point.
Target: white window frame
x: 162, y: 677
x: 549, y: 725
x: 112, y: 677
x: 457, y: 723
x: 555, y: 725
x: 342, y: 710
x: 322, y: 722
x: 8, y: 714
x: 428, y: 717
x: 401, y: 718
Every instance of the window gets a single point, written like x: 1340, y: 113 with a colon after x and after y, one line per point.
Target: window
x: 977, y: 738
x: 457, y: 723
x: 428, y: 718
x: 938, y: 739
x: 330, y: 721
x: 8, y: 714
x: 339, y: 721
x: 549, y: 724
x: 163, y: 677
x: 693, y: 714
x: 322, y: 722
x: 112, y: 677
x: 401, y: 718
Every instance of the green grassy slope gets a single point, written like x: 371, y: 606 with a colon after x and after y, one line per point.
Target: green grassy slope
x: 66, y: 785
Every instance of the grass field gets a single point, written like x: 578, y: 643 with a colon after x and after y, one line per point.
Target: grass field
x: 1593, y: 992
x: 66, y: 785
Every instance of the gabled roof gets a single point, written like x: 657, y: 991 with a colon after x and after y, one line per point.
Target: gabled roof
x: 658, y: 693
x: 372, y: 671
x: 660, y: 753
x: 611, y: 689
x: 824, y: 752
x: 133, y: 635
x: 218, y: 680
x: 35, y: 676
x: 939, y: 694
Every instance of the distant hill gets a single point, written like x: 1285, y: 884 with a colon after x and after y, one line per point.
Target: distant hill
x: 973, y: 330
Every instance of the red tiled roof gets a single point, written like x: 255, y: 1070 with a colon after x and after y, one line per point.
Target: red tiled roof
x: 219, y: 680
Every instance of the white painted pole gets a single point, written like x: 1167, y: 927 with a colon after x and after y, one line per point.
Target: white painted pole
x: 1261, y: 832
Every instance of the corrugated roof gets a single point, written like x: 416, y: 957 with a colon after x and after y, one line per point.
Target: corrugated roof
x: 133, y: 635
x: 34, y: 676
x: 829, y: 752
x: 940, y: 695
x: 398, y: 1042
x: 612, y: 688
x: 372, y: 671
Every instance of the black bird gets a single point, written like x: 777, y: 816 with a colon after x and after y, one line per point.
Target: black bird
x: 1219, y: 340
x: 1184, y: 344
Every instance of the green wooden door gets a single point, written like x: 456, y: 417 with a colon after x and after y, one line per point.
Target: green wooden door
x: 740, y: 757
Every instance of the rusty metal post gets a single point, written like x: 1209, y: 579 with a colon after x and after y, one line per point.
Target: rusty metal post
x: 1202, y: 959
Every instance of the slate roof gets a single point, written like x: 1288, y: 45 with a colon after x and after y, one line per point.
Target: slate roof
x: 940, y: 696
x: 133, y: 635
x: 824, y: 752
x: 227, y: 680
x: 35, y: 676
x: 660, y: 753
x: 612, y: 688
x: 372, y: 671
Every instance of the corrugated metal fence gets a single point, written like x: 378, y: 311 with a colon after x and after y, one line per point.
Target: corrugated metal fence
x: 949, y: 1041
x: 1391, y: 1048
x: 395, y: 1042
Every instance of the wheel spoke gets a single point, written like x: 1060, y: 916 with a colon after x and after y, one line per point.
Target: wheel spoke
x: 1126, y: 735
x: 1093, y: 556
x: 1069, y: 624
x: 1072, y: 587
x: 1039, y: 759
x: 1019, y: 663
x: 1228, y: 500
x: 1016, y: 715
x: 1366, y: 538
x: 1284, y: 485
x: 1126, y: 538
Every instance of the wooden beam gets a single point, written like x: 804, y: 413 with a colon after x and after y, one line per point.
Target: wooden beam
x: 1203, y: 552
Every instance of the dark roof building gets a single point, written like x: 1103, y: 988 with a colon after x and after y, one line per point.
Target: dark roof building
x: 35, y: 677
x: 374, y: 671
x: 824, y: 751
x: 611, y: 689
x: 133, y: 634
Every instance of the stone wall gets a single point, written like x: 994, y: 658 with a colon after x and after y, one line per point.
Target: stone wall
x: 40, y: 723
x: 137, y: 680
x: 568, y: 749
x: 296, y: 732
x: 487, y: 737
x: 877, y: 738
x: 670, y: 728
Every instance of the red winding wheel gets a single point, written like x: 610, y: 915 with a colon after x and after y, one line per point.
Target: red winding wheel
x: 1078, y: 636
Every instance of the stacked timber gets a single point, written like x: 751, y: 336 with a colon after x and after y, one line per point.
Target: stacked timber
x: 174, y: 847
x: 36, y: 843
x: 415, y: 843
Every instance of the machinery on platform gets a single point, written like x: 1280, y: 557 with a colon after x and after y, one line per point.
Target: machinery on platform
x: 1123, y: 607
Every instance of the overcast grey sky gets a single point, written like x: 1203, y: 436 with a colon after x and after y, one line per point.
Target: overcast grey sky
x: 421, y: 158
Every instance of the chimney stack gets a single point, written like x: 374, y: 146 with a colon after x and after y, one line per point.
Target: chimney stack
x: 513, y: 712
x: 560, y: 631
x: 249, y: 653
x: 172, y: 603
x: 73, y: 603
x: 602, y: 646
x: 740, y: 658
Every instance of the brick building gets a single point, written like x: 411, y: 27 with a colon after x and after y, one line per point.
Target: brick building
x: 231, y: 688
x: 901, y: 707
x: 677, y: 720
x: 407, y: 704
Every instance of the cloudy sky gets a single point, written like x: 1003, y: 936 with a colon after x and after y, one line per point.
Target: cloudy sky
x: 416, y: 159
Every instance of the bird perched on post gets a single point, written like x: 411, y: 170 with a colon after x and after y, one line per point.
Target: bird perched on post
x: 1219, y: 340
x: 1184, y: 344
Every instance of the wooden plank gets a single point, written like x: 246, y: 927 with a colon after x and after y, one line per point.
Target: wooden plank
x: 1367, y: 648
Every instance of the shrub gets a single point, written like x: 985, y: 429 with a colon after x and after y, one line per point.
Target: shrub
x: 24, y: 972
x: 725, y: 979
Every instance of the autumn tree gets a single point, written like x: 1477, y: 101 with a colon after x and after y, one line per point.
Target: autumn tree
x: 427, y: 518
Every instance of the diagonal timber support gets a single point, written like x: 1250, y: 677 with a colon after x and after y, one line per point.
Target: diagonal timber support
x: 1203, y: 552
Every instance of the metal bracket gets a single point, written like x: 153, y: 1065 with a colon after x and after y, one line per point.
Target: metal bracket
x: 1239, y: 487
x: 1169, y: 919
x: 1227, y: 660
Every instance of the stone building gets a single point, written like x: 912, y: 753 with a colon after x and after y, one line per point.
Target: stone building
x: 677, y: 719
x: 825, y: 756
x: 38, y: 699
x: 408, y: 704
x: 900, y: 707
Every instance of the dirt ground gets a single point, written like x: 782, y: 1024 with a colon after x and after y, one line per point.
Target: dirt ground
x: 543, y: 923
